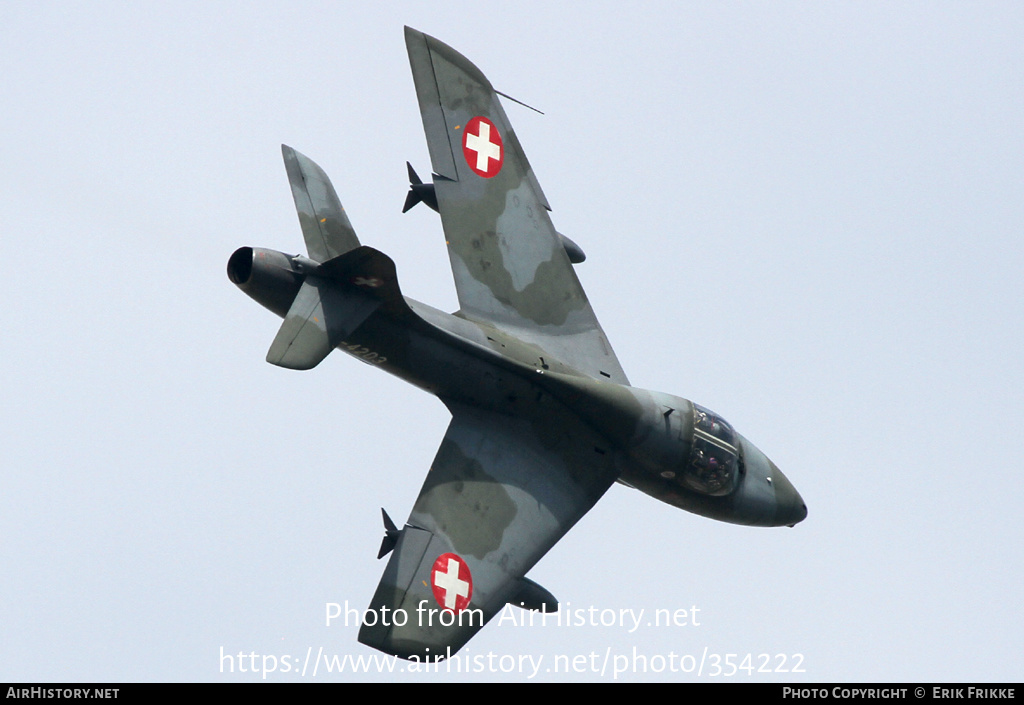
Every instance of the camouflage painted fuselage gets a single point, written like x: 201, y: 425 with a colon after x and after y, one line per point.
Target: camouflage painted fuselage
x: 543, y: 417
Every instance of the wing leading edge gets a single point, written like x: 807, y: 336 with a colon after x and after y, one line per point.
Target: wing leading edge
x: 510, y: 265
x: 500, y: 493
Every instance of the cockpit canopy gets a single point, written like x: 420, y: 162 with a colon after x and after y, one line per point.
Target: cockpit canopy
x: 714, y: 465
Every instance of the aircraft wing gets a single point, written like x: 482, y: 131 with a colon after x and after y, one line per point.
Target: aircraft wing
x: 510, y: 266
x: 500, y: 493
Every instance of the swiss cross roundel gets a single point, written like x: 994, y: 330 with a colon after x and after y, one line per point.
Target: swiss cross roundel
x: 451, y: 582
x: 482, y: 147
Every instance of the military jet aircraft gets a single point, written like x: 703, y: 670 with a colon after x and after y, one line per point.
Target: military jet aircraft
x: 544, y: 420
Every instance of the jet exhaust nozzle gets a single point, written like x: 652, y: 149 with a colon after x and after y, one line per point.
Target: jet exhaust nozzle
x: 268, y: 277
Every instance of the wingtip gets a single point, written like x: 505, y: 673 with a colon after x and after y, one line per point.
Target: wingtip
x: 413, y: 34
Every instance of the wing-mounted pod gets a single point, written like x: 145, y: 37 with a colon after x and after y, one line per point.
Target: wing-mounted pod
x: 391, y: 535
x: 575, y: 252
x: 420, y: 192
x: 531, y: 596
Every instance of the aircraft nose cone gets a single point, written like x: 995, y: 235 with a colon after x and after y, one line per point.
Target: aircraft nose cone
x: 790, y: 508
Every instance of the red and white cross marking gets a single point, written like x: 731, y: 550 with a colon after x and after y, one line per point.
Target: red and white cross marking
x: 451, y: 582
x: 371, y: 282
x: 482, y: 147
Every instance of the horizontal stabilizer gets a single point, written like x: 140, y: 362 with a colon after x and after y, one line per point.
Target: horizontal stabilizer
x: 321, y: 316
x: 325, y: 226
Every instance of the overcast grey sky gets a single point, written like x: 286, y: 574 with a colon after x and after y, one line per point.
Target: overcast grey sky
x: 805, y: 216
